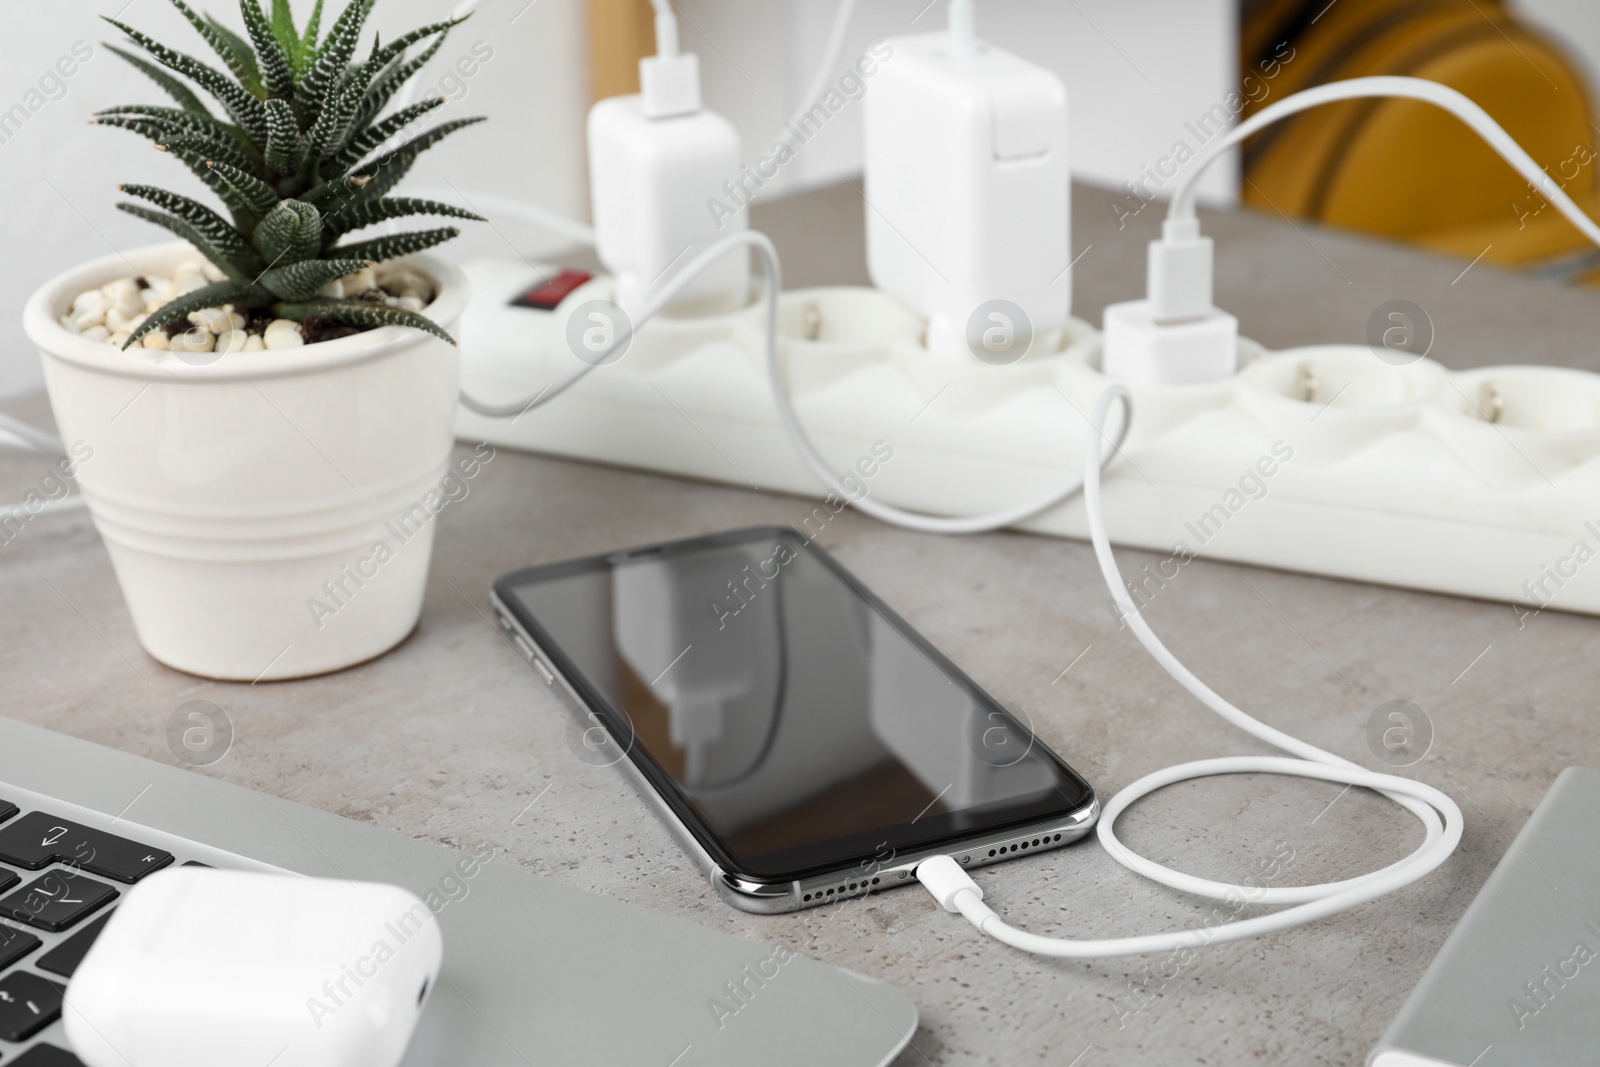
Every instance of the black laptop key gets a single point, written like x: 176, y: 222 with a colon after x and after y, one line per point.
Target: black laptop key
x: 56, y: 900
x: 38, y: 839
x: 7, y: 810
x: 46, y: 1056
x: 7, y: 880
x: 65, y: 957
x: 28, y: 1004
x: 15, y: 944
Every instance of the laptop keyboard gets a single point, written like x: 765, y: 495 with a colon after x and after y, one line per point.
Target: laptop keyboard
x: 82, y: 870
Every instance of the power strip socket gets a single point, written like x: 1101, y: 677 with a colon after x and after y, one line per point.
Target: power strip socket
x: 1327, y: 459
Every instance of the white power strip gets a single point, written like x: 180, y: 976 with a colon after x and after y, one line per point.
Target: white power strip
x: 1328, y: 460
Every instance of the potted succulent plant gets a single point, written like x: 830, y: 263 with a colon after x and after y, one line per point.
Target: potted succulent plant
x: 268, y: 401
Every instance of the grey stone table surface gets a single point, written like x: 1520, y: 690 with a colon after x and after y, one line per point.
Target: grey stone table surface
x: 452, y: 738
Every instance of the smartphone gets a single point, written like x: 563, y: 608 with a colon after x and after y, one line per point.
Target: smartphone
x: 800, y: 739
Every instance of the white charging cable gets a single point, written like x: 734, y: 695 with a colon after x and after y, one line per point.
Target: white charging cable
x: 1180, y: 264
x: 1440, y: 817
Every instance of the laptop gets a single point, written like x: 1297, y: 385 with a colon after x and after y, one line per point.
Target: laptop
x: 535, y: 972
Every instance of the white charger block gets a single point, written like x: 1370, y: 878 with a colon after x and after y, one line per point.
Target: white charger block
x: 967, y: 188
x: 200, y: 967
x: 660, y: 191
x: 1138, y: 351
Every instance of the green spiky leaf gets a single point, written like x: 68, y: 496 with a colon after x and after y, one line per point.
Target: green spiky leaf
x: 363, y: 314
x: 334, y: 195
x: 218, y: 255
x: 391, y: 79
x: 277, y: 74
x: 356, y: 216
x: 202, y: 124
x: 302, y: 281
x: 243, y: 217
x: 286, y: 145
x: 223, y: 42
x: 388, y: 169
x: 256, y: 194
x: 230, y: 251
x: 170, y: 85
x: 214, y: 152
x: 308, y: 41
x: 287, y: 36
x: 395, y: 245
x: 209, y: 296
x: 332, y: 127
x: 397, y: 46
x: 292, y: 233
x: 333, y: 55
x: 167, y: 137
x: 238, y: 102
x: 368, y: 139
x: 244, y: 54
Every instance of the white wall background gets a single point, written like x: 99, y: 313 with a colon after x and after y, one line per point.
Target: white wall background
x: 58, y: 176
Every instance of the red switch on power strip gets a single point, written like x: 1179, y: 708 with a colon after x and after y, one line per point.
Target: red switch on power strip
x: 547, y: 295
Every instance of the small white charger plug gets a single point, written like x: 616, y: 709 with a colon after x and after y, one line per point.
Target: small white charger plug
x: 659, y: 165
x: 1176, y: 335
x: 200, y: 967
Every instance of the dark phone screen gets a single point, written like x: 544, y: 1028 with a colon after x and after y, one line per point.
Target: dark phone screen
x: 798, y: 723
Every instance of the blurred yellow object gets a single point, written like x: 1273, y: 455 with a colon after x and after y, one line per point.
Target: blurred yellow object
x: 1409, y: 171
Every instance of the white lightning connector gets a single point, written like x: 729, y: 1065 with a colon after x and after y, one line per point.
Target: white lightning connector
x: 963, y: 29
x: 669, y: 81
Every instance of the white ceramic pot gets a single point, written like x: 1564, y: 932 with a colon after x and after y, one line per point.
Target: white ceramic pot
x: 244, y: 502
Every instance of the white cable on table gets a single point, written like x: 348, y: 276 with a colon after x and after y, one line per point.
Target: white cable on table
x: 1439, y: 815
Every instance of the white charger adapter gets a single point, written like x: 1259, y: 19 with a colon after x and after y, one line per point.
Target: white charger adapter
x: 967, y: 188
x: 658, y: 166
x: 1176, y: 335
x: 200, y: 967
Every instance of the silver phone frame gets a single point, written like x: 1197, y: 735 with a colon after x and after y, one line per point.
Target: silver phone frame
x: 776, y: 898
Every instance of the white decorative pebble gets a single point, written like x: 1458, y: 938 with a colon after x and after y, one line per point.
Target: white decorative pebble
x: 360, y: 281
x: 196, y: 340
x: 152, y: 298
x: 123, y: 297
x: 116, y: 290
x: 403, y: 280
x: 334, y: 290
x: 235, y: 318
x: 283, y: 338
x: 89, y: 317
x: 392, y: 301
x: 89, y: 301
x: 187, y: 283
x: 120, y: 338
x: 232, y: 341
x: 411, y: 303
x: 97, y: 333
x: 211, y: 271
x: 254, y: 343
x: 213, y: 319
x: 156, y: 339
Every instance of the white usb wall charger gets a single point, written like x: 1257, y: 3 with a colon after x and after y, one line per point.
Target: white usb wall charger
x: 967, y: 185
x: 658, y: 163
